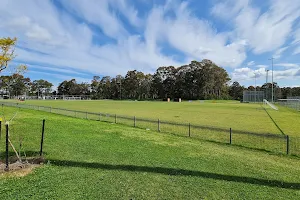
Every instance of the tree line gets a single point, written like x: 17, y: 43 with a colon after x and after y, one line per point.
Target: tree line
x: 17, y: 84
x: 197, y: 80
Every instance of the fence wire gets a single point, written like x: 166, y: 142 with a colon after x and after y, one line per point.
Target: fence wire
x: 262, y: 141
x: 291, y: 103
x: 24, y: 136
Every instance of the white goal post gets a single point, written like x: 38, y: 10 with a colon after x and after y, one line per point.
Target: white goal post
x: 266, y: 102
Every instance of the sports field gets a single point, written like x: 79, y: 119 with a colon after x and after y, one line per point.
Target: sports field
x: 223, y: 114
x: 89, y: 159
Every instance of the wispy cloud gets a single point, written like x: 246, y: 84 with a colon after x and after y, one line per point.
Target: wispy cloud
x: 278, y: 53
x: 251, y: 63
x: 288, y: 65
x: 54, y: 69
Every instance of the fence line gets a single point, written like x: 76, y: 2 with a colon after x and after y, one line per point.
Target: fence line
x: 263, y: 141
x: 290, y: 102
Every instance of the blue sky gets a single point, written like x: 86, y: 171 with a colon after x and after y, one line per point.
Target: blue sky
x: 64, y: 39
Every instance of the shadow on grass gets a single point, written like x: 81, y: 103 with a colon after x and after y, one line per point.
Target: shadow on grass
x: 178, y: 172
x: 274, y: 122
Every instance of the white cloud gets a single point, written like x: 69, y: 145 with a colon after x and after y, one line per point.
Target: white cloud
x: 261, y: 66
x: 97, y: 13
x: 286, y: 74
x: 221, y: 10
x: 278, y: 53
x: 196, y: 38
x: 129, y: 11
x: 251, y: 63
x: 246, y: 74
x: 264, y: 31
x: 54, y: 69
x: 51, y: 37
x: 71, y: 44
x: 270, y: 30
x: 56, y: 76
x: 288, y: 65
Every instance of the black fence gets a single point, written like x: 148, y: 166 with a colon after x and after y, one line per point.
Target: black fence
x: 277, y: 143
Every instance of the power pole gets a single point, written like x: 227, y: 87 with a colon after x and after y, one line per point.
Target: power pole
x: 272, y: 80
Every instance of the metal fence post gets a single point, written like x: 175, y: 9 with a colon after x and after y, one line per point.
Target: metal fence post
x: 115, y: 118
x: 287, y: 144
x: 230, y: 136
x: 42, y: 139
x: 189, y: 129
x: 158, y: 125
x: 134, y: 121
x: 6, y: 150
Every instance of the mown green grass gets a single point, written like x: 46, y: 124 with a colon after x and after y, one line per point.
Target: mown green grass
x: 95, y: 160
x: 287, y: 119
x: 223, y: 114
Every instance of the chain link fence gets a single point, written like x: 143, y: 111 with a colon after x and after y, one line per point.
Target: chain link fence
x: 277, y: 143
x: 293, y: 103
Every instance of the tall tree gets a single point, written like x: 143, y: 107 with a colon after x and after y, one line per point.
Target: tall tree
x: 41, y: 87
x: 105, y: 87
x: 18, y: 84
x: 164, y: 82
x: 68, y: 87
x: 132, y: 82
x: 236, y: 91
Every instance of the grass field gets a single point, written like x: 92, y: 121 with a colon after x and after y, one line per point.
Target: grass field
x: 224, y: 114
x: 95, y: 160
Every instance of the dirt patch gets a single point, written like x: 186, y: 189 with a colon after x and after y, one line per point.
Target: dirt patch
x: 20, y: 169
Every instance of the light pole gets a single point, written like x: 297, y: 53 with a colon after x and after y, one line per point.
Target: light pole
x: 255, y: 86
x: 267, y: 73
x: 272, y: 80
x: 266, y: 89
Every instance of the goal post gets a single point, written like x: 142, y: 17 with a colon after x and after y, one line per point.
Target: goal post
x: 266, y: 102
